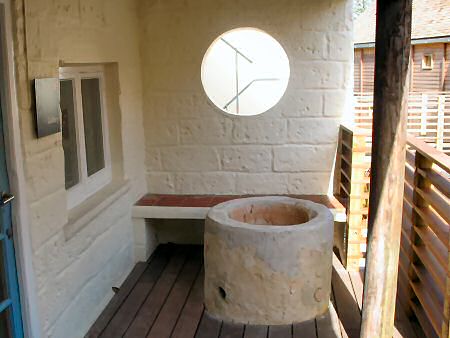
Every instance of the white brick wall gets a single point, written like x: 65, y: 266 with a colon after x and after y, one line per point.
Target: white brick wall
x: 190, y: 145
x: 193, y: 147
x: 74, y: 274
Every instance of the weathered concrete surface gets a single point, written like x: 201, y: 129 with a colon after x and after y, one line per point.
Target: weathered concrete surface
x: 268, y: 274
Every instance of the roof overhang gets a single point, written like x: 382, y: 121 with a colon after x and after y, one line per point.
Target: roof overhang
x: 422, y: 41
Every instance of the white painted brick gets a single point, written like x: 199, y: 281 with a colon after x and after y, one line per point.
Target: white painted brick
x: 303, y: 103
x: 47, y: 218
x: 189, y: 159
x: 160, y: 183
x: 209, y: 131
x: 348, y: 74
x: 32, y: 145
x: 309, y: 183
x: 50, y: 259
x: 69, y: 10
x: 61, y: 290
x: 340, y: 46
x: 313, y: 130
x: 206, y: 183
x: 57, y: 253
x: 92, y: 13
x: 161, y: 131
x: 324, y: 15
x: 319, y: 75
x: 87, y: 305
x: 23, y: 92
x: 335, y: 103
x: 309, y: 46
x: 257, y: 130
x: 164, y: 78
x: 81, y: 240
x: 75, y: 276
x: 153, y: 159
x: 178, y: 105
x: 247, y: 158
x: 267, y: 183
x: 145, y: 241
x: 304, y: 158
x: 45, y: 173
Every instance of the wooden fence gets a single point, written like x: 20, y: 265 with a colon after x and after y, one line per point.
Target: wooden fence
x: 428, y: 116
x: 424, y: 266
x: 353, y: 168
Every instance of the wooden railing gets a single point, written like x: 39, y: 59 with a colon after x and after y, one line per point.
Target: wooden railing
x: 424, y: 266
x: 353, y: 164
x: 428, y: 116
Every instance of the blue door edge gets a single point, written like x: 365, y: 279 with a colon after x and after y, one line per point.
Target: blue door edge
x: 12, y: 280
x: 12, y: 292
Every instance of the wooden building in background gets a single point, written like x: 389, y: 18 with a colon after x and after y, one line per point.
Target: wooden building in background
x: 430, y: 52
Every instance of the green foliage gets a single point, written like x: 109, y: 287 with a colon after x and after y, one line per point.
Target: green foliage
x: 360, y: 6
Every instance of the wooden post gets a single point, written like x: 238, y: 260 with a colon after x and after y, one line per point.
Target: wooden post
x: 392, y: 50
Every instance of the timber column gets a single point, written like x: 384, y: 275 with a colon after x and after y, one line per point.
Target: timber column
x: 392, y: 49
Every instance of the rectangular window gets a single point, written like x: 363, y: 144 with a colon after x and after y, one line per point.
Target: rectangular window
x: 427, y: 61
x: 93, y: 129
x: 69, y: 133
x: 84, y: 132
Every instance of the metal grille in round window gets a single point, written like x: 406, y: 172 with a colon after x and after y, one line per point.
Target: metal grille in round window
x: 245, y: 71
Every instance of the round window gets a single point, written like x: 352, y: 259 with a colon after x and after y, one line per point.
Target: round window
x: 245, y: 71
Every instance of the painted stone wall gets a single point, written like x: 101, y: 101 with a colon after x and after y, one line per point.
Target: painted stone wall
x: 192, y: 147
x: 77, y: 260
x: 170, y: 136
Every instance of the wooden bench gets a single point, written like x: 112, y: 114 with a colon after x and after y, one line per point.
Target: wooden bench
x: 166, y: 206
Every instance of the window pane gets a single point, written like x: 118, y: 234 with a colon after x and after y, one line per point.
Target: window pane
x: 69, y: 134
x: 93, y: 133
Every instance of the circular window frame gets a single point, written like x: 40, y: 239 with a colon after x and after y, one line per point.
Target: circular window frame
x: 228, y: 114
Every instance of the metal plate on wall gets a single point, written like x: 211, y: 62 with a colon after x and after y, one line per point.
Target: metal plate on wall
x: 47, y: 106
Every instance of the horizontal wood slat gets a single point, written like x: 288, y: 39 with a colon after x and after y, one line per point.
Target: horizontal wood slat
x: 427, y: 118
x: 431, y: 309
x: 436, y: 223
x: 424, y: 276
x: 434, y: 245
x: 437, y: 179
x: 436, y: 201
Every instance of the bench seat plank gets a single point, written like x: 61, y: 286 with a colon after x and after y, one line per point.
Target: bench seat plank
x: 165, y: 206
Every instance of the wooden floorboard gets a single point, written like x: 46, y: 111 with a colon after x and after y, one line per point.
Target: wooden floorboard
x: 304, y: 330
x: 167, y: 318
x: 232, y: 330
x: 208, y: 327
x: 125, y: 314
x: 163, y: 298
x: 357, y: 279
x: 403, y: 327
x: 147, y: 314
x: 345, y: 301
x: 256, y: 331
x: 280, y: 331
x: 112, y: 307
x: 192, y: 311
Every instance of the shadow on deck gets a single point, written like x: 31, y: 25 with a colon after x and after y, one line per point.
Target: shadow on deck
x: 164, y: 298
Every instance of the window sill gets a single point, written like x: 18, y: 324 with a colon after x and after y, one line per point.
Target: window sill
x: 86, y: 212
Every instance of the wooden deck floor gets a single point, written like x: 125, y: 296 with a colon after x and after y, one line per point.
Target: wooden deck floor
x: 164, y: 298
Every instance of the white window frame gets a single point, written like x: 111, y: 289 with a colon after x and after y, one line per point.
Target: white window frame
x: 424, y: 65
x: 87, y: 185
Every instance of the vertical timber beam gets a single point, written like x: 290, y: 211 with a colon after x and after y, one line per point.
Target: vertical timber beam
x: 392, y: 51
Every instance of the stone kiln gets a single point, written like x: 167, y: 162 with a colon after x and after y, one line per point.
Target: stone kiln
x: 268, y: 260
